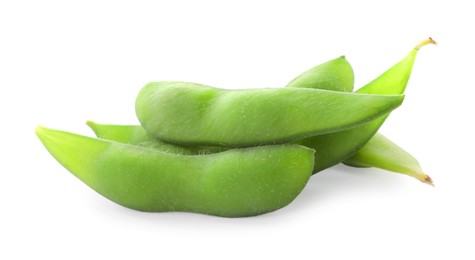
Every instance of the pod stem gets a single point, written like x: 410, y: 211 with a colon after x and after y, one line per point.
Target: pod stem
x: 426, y: 179
x: 425, y: 42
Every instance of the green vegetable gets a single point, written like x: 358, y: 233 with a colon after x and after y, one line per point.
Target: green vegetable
x: 335, y: 74
x: 380, y: 152
x: 234, y: 183
x: 192, y: 114
x: 182, y: 160
x: 341, y: 145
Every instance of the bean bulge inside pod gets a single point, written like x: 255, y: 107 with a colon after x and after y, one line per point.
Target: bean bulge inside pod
x: 234, y: 183
x: 188, y: 113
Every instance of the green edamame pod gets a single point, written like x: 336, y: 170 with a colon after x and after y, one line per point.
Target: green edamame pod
x: 380, y: 152
x: 341, y: 145
x: 234, y: 183
x: 136, y: 135
x: 194, y: 114
x: 335, y: 75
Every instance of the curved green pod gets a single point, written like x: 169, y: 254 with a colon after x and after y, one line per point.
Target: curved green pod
x: 234, y: 183
x: 339, y: 146
x: 336, y: 75
x: 382, y: 153
x: 188, y: 113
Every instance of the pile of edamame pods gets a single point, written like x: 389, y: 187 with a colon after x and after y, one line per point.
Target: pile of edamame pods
x: 236, y: 153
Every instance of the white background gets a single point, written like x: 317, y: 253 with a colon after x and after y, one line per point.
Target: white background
x: 64, y: 62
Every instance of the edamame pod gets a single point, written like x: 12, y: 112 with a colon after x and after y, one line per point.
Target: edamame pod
x: 194, y: 114
x: 341, y: 145
x: 380, y: 152
x: 335, y: 75
x: 234, y: 183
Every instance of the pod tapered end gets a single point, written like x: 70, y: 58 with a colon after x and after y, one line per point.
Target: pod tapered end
x: 42, y: 133
x: 38, y: 129
x: 91, y: 123
x: 94, y: 127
